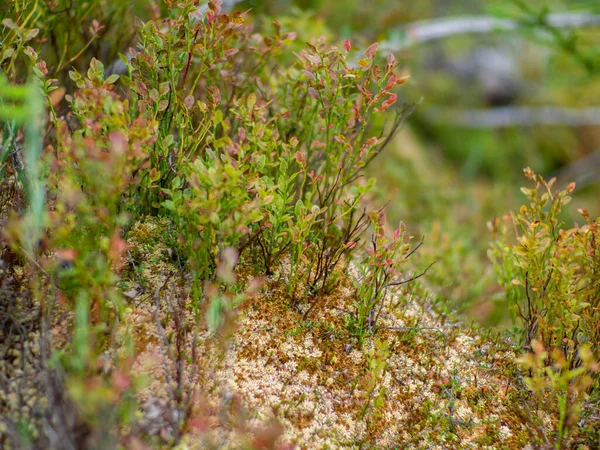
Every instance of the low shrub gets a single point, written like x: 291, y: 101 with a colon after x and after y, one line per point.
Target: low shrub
x: 550, y: 272
x: 550, y: 276
x: 250, y: 154
x: 380, y: 274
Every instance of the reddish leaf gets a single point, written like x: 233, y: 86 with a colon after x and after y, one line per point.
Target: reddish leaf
x: 347, y: 45
x: 216, y: 94
x: 387, y: 103
x: 300, y: 159
x: 308, y: 74
x: 121, y: 381
x: 42, y: 66
x: 118, y: 142
x: 266, y: 438
x: 189, y: 101
x: 56, y: 96
x: 117, y: 247
x: 198, y: 424
x: 403, y: 79
x: 66, y: 254
x: 372, y: 50
x: 313, y: 59
x: 391, y: 82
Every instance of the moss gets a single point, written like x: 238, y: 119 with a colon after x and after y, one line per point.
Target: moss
x: 445, y: 386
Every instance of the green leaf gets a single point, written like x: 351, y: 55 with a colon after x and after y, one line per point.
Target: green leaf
x: 169, y: 204
x: 112, y: 79
x: 214, y: 315
x: 217, y: 117
x: 162, y: 105
x: 251, y: 101
x: 298, y: 208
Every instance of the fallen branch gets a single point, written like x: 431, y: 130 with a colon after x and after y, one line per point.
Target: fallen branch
x: 431, y: 30
x: 515, y: 116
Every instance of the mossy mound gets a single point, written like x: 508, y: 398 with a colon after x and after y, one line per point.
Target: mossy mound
x: 420, y: 382
x: 274, y: 376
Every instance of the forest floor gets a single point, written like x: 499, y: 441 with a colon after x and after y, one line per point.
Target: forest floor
x: 275, y: 376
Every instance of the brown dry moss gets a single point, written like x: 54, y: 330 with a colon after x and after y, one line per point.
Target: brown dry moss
x: 444, y: 386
